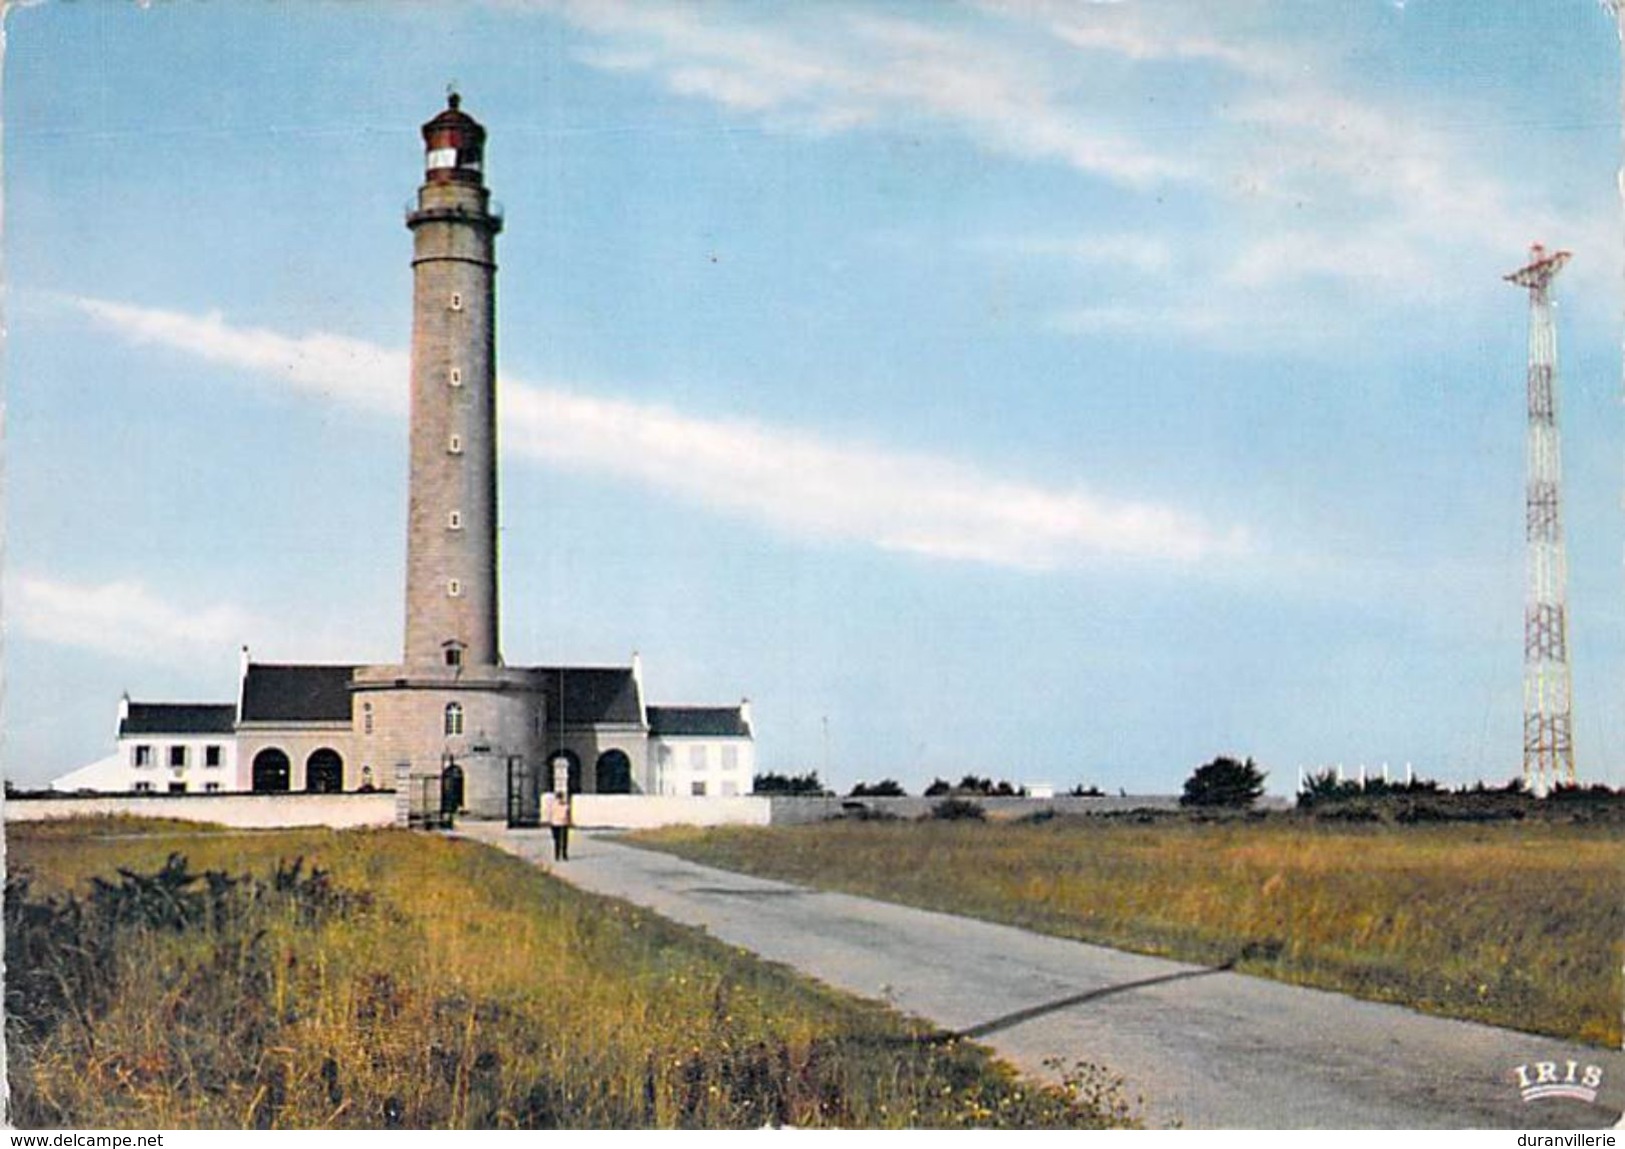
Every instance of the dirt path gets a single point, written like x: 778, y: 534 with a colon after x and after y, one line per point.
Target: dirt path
x: 1202, y: 1048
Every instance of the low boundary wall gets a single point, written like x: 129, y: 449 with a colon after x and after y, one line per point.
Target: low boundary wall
x: 794, y: 810
x: 591, y: 811
x: 646, y: 811
x: 240, y: 811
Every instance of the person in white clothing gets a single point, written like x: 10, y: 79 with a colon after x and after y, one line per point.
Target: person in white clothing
x: 558, y: 818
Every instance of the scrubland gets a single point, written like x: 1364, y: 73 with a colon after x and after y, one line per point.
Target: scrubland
x: 1519, y: 924
x: 163, y: 977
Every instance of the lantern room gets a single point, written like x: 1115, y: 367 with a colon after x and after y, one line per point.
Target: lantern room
x: 454, y: 146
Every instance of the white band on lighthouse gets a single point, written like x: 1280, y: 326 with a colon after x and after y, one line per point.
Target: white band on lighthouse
x: 442, y: 158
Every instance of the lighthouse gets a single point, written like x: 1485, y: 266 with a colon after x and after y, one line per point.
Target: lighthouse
x: 451, y: 715
x: 451, y: 552
x: 451, y: 729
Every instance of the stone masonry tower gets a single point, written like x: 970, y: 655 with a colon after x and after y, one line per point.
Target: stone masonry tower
x: 451, y: 553
x: 453, y: 727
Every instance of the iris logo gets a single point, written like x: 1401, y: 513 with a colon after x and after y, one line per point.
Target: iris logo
x: 1539, y: 1079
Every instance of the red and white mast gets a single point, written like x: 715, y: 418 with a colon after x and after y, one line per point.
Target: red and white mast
x: 1548, y: 723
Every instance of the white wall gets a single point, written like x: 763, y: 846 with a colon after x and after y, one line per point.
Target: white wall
x: 644, y: 812
x: 298, y: 741
x: 195, y: 775
x: 681, y: 762
x: 340, y: 811
x: 243, y: 811
x: 118, y: 773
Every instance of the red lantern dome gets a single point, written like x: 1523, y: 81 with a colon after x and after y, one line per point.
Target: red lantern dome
x: 454, y: 146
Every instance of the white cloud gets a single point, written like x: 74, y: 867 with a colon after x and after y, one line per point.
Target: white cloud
x: 123, y: 620
x: 1122, y: 32
x: 1314, y: 187
x: 327, y: 366
x: 843, y: 68
x: 1379, y: 261
x: 1146, y: 254
x: 127, y: 619
x: 794, y: 482
x: 1152, y: 321
x: 782, y: 478
x: 1315, y: 178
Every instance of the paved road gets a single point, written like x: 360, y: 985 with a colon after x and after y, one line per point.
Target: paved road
x: 1200, y: 1047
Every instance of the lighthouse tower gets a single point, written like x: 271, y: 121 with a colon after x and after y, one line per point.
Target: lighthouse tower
x: 451, y: 726
x: 451, y: 552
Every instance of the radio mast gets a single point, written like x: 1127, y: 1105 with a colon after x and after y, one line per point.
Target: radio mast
x: 1548, y: 724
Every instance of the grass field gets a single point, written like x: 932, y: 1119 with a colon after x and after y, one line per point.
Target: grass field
x: 1515, y: 924
x: 388, y: 979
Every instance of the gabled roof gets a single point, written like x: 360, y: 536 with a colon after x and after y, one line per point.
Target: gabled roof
x: 273, y: 693
x: 587, y: 695
x: 178, y: 718
x: 698, y: 722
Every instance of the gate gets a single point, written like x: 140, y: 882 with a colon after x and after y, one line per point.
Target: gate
x: 427, y: 809
x: 524, y: 794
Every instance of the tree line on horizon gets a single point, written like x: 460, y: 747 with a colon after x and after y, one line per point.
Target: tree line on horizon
x: 810, y: 785
x: 1223, y: 783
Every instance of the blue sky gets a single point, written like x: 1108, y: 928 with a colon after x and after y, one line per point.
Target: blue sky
x: 1063, y: 392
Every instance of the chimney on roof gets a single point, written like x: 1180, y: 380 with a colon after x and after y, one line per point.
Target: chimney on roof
x: 637, y: 684
x: 744, y: 714
x: 242, y: 681
x: 123, y: 710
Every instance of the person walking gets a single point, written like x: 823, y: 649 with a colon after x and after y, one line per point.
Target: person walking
x: 558, y: 819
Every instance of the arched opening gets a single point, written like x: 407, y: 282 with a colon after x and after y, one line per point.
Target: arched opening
x: 324, y: 772
x: 574, y: 773
x: 614, y: 772
x: 271, y: 771
x: 451, y: 788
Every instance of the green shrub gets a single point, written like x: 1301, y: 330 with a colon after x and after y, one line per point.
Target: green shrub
x: 804, y: 784
x: 957, y: 809
x: 1224, y: 782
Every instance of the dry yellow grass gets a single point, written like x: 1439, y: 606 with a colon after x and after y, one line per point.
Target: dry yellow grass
x: 1516, y: 924
x: 431, y: 983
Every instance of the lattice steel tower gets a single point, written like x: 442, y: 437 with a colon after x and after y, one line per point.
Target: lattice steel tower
x: 1548, y: 725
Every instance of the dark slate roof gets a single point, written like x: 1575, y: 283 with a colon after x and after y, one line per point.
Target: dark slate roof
x: 582, y: 695
x: 179, y: 718
x: 698, y: 721
x: 274, y: 693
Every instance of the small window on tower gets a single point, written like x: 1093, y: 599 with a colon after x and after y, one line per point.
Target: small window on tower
x: 454, y: 445
x: 457, y: 301
x: 456, y: 376
x: 454, y: 588
x: 366, y: 718
x: 454, y: 656
x: 454, y: 718
x: 455, y: 520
